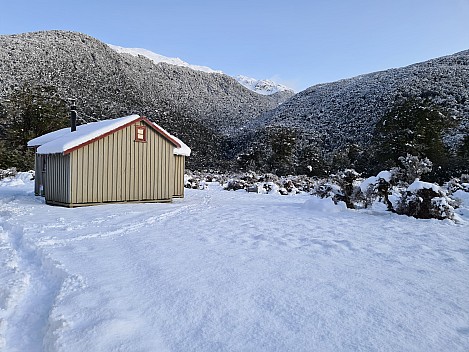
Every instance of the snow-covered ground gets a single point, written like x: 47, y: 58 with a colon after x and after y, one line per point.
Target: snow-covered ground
x: 228, y: 271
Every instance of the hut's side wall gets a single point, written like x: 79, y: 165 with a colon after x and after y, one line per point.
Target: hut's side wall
x: 57, y: 178
x: 39, y: 174
x: 117, y: 168
x: 179, y: 167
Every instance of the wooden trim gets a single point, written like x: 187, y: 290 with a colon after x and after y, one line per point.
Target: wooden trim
x: 162, y: 132
x: 141, y: 118
x: 141, y: 128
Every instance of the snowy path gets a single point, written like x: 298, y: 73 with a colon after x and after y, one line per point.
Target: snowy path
x: 228, y: 271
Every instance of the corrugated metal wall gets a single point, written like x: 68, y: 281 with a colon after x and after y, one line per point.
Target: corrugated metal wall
x: 179, y: 167
x: 57, y: 178
x: 38, y: 174
x: 116, y: 168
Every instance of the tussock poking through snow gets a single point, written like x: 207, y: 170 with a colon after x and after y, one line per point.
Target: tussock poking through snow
x: 229, y: 271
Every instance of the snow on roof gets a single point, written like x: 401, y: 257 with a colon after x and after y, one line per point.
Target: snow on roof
x: 63, y: 140
x: 84, y: 133
x: 38, y: 141
x: 183, y: 149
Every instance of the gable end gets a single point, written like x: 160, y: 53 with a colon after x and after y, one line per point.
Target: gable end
x: 142, y: 118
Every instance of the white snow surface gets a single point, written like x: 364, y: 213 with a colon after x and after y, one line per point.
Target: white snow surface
x: 157, y: 58
x: 372, y: 180
x: 63, y: 139
x: 417, y: 185
x: 261, y: 86
x: 228, y: 271
x: 265, y: 87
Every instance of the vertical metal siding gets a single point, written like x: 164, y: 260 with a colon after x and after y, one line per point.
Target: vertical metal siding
x: 179, y: 164
x: 57, y: 178
x: 117, y: 168
x: 38, y: 174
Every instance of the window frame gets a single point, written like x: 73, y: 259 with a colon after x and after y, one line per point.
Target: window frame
x: 137, y: 137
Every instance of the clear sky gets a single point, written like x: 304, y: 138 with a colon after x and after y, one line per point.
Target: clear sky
x: 295, y: 42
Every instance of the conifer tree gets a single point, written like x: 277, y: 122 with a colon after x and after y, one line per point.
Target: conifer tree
x: 28, y: 112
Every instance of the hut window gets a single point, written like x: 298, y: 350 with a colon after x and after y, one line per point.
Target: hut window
x: 141, y: 134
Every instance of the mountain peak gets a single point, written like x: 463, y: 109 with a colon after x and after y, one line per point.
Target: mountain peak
x: 157, y: 58
x: 264, y: 87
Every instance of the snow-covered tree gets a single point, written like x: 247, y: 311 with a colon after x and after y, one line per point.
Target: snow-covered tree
x: 29, y: 112
x: 412, y: 167
x: 413, y: 127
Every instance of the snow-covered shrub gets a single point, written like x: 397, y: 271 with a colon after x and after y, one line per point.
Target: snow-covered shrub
x: 234, y: 185
x: 267, y: 183
x: 324, y: 188
x: 412, y: 167
x: 377, y: 187
x: 425, y: 200
x: 269, y: 178
x: 465, y: 182
x: 349, y: 191
x: 288, y: 187
x: 10, y: 172
x: 334, y: 188
x: 268, y: 187
x: 191, y: 181
x: 453, y: 185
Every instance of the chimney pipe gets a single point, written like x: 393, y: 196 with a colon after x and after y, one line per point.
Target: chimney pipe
x: 73, y: 116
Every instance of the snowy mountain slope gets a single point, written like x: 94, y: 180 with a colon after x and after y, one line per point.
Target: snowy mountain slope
x: 199, y: 107
x: 218, y: 117
x: 157, y: 58
x: 264, y: 87
x: 286, y: 273
x: 343, y: 113
x: 350, y: 107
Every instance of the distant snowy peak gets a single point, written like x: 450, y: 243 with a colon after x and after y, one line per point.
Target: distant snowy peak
x: 264, y: 86
x: 157, y: 58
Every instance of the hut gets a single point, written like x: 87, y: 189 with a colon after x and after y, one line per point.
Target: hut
x: 127, y: 159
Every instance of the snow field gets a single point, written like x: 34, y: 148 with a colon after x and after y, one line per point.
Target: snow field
x: 229, y: 271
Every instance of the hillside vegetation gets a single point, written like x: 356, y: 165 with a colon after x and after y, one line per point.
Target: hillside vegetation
x: 200, y: 108
x: 342, y: 123
x: 366, y: 122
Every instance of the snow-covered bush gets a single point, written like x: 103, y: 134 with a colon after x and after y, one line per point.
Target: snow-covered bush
x: 425, y: 200
x: 412, y: 168
x: 234, y: 185
x: 326, y: 188
x: 455, y: 185
x: 465, y: 182
x: 349, y: 190
x: 377, y: 187
x: 267, y: 183
x: 191, y: 182
x: 11, y: 172
x: 342, y: 187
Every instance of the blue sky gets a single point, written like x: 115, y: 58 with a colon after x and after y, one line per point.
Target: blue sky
x: 298, y: 43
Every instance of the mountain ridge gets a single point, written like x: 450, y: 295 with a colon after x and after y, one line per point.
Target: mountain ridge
x: 108, y: 84
x: 260, y: 86
x: 224, y: 122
